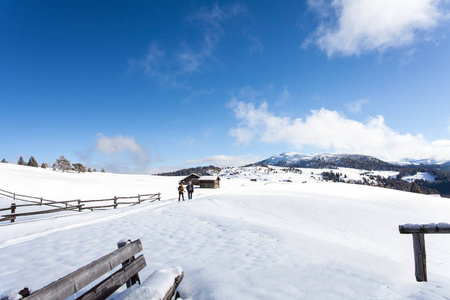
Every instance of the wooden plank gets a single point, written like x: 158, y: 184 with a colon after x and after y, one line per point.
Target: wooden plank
x: 39, y: 212
x: 99, y: 200
x: 108, y: 286
x: 131, y: 197
x: 171, y: 292
x: 98, y: 207
x: 75, y: 281
x: 8, y: 208
x: 6, y: 219
x: 420, y: 256
x: 425, y: 228
x: 5, y: 191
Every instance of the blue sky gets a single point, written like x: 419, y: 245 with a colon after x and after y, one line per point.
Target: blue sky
x: 145, y: 86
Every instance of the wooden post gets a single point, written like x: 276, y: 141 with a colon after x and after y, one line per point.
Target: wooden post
x: 139, y: 199
x: 420, y: 259
x: 115, y: 202
x: 79, y: 205
x: 159, y: 196
x: 42, y: 200
x: 13, y: 211
x: 135, y: 278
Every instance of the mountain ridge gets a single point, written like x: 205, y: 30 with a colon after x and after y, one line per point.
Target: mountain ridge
x: 356, y: 161
x: 328, y: 161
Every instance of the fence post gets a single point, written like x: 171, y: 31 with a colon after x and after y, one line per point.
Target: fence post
x: 420, y: 259
x: 159, y: 196
x: 139, y: 198
x: 79, y: 205
x: 13, y: 211
x: 42, y: 200
x: 115, y: 202
x: 135, y: 278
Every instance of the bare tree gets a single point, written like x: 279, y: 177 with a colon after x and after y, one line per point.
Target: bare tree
x: 63, y: 164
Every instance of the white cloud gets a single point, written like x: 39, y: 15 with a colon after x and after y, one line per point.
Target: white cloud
x: 330, y: 131
x: 223, y: 160
x: 352, y: 27
x: 122, y: 152
x: 356, y: 106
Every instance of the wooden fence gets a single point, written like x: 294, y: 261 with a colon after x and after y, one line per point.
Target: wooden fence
x: 66, y: 205
x: 418, y: 233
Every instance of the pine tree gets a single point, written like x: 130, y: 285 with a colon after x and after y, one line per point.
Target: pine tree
x: 44, y: 166
x: 63, y: 164
x: 415, y: 188
x: 103, y: 170
x: 54, y: 167
x: 4, y: 161
x: 95, y: 170
x: 21, y: 162
x: 32, y: 162
x: 89, y: 170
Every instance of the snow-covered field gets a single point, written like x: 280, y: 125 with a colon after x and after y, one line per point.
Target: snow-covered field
x: 269, y: 239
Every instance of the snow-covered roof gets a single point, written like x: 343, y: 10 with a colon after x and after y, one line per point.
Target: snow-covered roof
x: 192, y: 174
x: 209, y: 178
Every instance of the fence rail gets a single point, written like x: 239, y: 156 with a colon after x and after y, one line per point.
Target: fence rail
x: 65, y: 205
x: 418, y: 232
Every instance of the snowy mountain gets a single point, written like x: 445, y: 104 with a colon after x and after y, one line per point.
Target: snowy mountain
x: 285, y: 235
x: 417, y: 162
x: 355, y: 161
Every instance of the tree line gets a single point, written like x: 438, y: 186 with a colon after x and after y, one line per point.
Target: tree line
x: 201, y: 171
x: 61, y: 163
x: 440, y: 185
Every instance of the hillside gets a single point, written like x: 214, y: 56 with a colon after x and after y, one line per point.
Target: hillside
x: 285, y: 235
x: 435, y: 178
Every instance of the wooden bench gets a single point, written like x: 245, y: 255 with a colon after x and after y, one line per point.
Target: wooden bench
x: 79, y: 279
x: 418, y: 232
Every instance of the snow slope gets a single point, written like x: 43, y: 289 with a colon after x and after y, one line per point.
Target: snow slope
x: 419, y: 176
x: 268, y: 239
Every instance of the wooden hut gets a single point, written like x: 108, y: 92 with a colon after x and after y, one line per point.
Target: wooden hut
x: 191, y: 178
x: 209, y: 182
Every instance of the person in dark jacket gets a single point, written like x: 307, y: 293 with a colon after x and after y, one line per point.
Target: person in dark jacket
x: 190, y: 189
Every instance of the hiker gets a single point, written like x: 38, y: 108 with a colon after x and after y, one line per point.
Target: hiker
x: 180, y: 191
x: 190, y: 189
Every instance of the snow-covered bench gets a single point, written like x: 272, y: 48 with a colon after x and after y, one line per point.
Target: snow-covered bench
x: 72, y: 283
